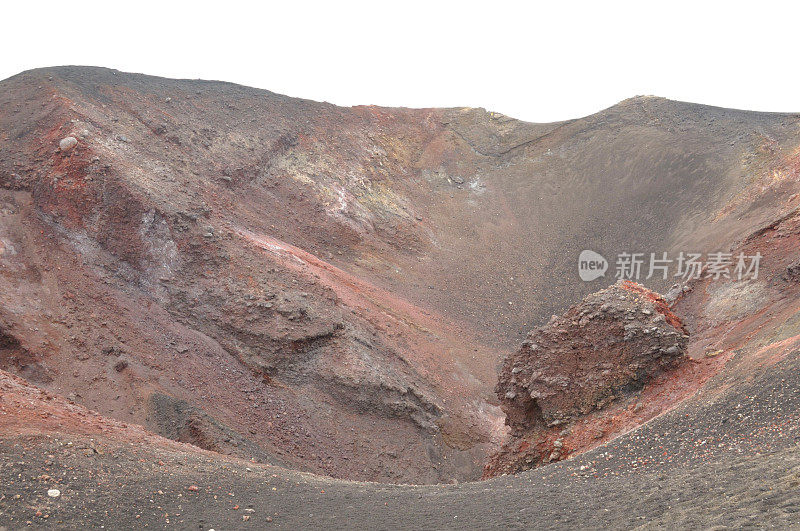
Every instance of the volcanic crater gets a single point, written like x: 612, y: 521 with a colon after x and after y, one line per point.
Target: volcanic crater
x: 366, y: 293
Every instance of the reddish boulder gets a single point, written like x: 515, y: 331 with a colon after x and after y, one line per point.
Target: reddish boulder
x: 605, y: 347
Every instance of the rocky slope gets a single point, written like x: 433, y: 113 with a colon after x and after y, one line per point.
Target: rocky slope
x: 333, y: 288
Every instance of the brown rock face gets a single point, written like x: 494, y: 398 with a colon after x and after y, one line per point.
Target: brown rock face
x: 608, y: 345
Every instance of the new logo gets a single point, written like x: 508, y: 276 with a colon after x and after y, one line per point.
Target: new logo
x: 591, y: 265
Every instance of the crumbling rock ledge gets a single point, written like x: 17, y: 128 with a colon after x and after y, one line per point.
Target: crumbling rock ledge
x: 605, y: 348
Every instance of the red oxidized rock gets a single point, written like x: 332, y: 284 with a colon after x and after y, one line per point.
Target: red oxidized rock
x: 608, y: 345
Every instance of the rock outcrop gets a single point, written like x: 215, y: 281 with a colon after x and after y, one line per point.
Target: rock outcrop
x: 607, y: 346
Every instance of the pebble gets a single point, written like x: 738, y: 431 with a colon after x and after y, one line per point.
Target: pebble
x: 67, y: 143
x: 54, y: 493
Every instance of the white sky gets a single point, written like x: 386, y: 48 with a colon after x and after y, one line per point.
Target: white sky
x: 544, y: 62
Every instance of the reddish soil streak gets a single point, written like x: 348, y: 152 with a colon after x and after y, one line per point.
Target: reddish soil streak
x: 661, y: 305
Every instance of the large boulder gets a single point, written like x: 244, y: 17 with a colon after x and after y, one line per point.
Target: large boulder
x: 606, y: 346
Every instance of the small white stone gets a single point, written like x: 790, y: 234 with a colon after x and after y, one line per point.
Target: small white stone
x: 54, y: 493
x: 68, y: 143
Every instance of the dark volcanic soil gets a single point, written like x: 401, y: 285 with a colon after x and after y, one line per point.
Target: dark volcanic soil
x: 275, y: 282
x: 726, y: 462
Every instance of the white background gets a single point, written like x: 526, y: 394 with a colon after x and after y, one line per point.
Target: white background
x: 538, y: 62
